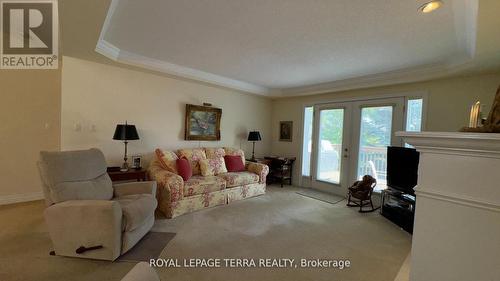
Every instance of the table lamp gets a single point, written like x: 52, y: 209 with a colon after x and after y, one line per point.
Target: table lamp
x: 254, y: 136
x: 125, y: 132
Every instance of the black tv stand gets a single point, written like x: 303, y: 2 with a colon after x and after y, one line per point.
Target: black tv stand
x: 398, y: 207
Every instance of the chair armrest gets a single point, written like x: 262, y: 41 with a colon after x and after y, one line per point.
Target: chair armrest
x: 139, y: 187
x: 260, y: 169
x: 87, y: 223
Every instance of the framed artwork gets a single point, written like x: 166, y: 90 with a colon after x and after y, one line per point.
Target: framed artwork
x: 137, y: 161
x: 202, y: 123
x: 286, y: 130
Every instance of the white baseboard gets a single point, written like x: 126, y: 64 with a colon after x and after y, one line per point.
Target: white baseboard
x: 17, y: 198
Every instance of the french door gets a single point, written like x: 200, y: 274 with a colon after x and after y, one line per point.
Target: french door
x: 331, y: 145
x: 350, y: 140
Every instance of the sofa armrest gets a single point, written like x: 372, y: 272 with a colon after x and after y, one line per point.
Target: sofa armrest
x: 88, y: 223
x: 260, y: 169
x: 168, y: 182
x: 170, y: 187
x: 139, y: 187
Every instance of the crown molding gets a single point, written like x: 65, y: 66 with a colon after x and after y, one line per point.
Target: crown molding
x: 421, y: 73
x: 107, y: 49
x: 401, y: 76
x: 112, y: 52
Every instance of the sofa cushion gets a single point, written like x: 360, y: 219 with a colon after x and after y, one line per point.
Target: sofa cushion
x: 167, y: 160
x: 234, y: 163
x: 193, y: 156
x: 203, y: 185
x: 136, y: 209
x: 212, y: 166
x: 214, y: 152
x: 184, y: 169
x: 239, y: 178
x: 235, y: 151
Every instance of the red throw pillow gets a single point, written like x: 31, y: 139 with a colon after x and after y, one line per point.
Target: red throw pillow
x: 184, y: 169
x: 234, y: 163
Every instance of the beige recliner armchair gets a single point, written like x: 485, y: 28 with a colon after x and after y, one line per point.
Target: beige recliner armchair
x: 88, y: 216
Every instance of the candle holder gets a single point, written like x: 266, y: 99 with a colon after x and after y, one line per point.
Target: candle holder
x: 490, y: 124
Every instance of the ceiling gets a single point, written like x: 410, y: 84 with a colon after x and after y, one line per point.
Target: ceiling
x: 292, y: 47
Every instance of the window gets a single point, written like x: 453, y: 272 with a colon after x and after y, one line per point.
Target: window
x: 414, y: 109
x: 414, y: 115
x: 307, y: 141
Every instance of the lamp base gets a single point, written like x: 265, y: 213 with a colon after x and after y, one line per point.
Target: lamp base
x: 124, y: 167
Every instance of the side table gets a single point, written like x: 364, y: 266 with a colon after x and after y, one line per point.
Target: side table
x: 281, y: 169
x: 132, y: 174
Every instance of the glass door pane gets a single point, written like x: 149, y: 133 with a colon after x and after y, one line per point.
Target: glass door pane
x: 307, y: 141
x: 375, y: 136
x: 331, y: 123
x: 414, y: 115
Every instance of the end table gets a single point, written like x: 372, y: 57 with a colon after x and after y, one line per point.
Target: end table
x: 132, y: 174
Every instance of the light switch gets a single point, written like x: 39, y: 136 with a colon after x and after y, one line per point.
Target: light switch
x: 78, y: 127
x: 47, y: 126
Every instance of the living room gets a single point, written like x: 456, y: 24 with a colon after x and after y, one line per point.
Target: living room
x: 304, y: 99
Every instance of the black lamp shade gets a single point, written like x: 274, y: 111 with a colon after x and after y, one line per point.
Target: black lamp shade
x: 125, y: 132
x: 254, y: 136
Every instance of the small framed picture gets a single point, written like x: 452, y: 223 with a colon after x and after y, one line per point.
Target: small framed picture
x: 286, y: 130
x: 137, y: 161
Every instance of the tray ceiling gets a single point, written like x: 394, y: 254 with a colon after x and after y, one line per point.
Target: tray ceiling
x: 292, y: 47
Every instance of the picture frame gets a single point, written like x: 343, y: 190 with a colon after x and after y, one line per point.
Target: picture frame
x: 202, y: 123
x: 286, y: 131
x: 137, y: 161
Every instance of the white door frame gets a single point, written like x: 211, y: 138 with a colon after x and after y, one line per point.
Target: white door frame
x: 406, y: 95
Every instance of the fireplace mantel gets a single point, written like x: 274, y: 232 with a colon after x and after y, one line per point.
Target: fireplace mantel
x: 453, y: 142
x: 457, y: 221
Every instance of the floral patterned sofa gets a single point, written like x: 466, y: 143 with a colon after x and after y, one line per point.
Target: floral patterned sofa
x: 176, y: 196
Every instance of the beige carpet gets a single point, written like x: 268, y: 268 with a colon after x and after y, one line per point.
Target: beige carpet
x: 322, y: 196
x: 279, y: 224
x: 149, y: 247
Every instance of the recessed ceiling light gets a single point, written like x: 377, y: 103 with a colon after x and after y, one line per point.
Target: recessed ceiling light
x: 430, y: 6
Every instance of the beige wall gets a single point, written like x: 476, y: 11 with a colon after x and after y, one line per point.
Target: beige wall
x: 30, y: 121
x: 98, y: 96
x: 448, y: 106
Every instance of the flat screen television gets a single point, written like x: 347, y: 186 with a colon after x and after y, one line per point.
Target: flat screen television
x: 402, y: 168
